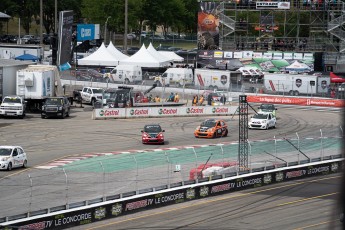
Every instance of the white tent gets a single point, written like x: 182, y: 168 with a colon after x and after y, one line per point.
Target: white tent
x: 157, y: 55
x: 143, y: 58
x: 100, y: 57
x: 115, y: 52
x: 172, y: 55
x: 298, y: 67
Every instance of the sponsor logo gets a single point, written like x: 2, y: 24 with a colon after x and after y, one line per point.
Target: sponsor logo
x: 279, y: 176
x: 116, y: 209
x: 204, y: 191
x: 167, y: 111
x: 223, y: 79
x: 298, y: 82
x: 334, y: 167
x: 220, y: 110
x: 267, y: 179
x: 107, y: 113
x: 139, y: 112
x: 323, y: 169
x: 136, y: 205
x: 190, y: 194
x: 195, y: 110
x: 222, y: 187
x: 100, y: 213
x: 294, y: 174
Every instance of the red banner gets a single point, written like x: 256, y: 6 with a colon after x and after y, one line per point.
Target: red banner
x: 297, y: 101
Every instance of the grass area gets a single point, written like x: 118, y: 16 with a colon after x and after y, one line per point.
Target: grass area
x: 12, y: 27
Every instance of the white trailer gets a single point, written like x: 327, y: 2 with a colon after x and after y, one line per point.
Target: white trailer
x: 125, y: 74
x: 295, y: 84
x: 178, y: 76
x: 37, y: 82
x: 217, y: 79
x: 8, y: 71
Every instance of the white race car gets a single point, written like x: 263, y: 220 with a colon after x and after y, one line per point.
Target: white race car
x: 12, y: 157
x: 262, y: 121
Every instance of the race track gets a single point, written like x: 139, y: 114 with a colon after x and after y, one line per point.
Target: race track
x: 50, y: 139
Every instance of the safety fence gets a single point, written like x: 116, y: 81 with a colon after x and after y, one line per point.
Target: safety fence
x: 103, y: 176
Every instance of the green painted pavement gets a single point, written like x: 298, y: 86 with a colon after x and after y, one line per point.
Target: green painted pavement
x: 147, y: 160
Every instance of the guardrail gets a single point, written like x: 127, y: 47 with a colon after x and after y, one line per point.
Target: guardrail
x: 113, y: 206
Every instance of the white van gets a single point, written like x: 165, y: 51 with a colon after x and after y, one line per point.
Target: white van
x: 127, y: 74
x: 178, y: 76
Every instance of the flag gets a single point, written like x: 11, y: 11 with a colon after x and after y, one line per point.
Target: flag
x: 65, y: 66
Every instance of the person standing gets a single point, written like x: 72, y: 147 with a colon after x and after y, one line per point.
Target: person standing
x: 195, y: 100
x: 177, y: 98
x: 201, y: 100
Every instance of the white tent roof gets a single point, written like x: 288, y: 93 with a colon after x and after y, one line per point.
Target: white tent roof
x: 297, y: 66
x: 115, y: 52
x: 143, y: 58
x: 100, y: 57
x: 157, y: 55
x: 172, y: 55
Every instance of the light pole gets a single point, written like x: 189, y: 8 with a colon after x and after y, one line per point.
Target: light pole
x: 105, y: 30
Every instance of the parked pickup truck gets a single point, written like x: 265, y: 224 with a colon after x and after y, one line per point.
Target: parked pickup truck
x: 13, y: 106
x: 91, y: 95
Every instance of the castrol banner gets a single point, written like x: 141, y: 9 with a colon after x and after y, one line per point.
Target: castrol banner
x: 134, y: 112
x: 109, y: 113
x: 297, y: 101
x: 165, y: 111
x: 138, y: 112
x: 193, y: 110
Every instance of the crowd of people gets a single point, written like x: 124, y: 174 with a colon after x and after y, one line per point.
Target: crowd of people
x: 173, y: 97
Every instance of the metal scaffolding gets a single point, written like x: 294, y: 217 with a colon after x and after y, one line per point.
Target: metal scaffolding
x: 243, y: 133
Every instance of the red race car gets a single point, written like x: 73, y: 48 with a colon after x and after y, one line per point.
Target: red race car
x: 152, y: 134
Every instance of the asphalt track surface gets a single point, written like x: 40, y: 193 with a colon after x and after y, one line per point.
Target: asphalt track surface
x: 302, y: 204
x: 47, y: 139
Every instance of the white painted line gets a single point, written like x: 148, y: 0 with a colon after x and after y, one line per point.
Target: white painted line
x: 173, y: 149
x: 157, y: 150
x: 45, y: 167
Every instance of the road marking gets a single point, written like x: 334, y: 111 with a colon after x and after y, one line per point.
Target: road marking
x: 314, y: 225
x: 306, y: 199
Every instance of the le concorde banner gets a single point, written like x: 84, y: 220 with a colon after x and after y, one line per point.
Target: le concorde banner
x: 297, y: 101
x: 119, y: 208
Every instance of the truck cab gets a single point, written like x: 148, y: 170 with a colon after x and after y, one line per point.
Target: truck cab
x: 13, y: 106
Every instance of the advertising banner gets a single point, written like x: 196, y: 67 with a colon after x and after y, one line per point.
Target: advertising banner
x: 273, y: 5
x: 297, y: 101
x: 208, y: 25
x: 193, y: 110
x: 87, y: 32
x: 165, y: 111
x: 138, y: 112
x: 109, y: 113
x: 65, y: 37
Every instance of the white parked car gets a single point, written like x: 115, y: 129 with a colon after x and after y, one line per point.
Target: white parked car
x: 12, y: 157
x: 262, y: 121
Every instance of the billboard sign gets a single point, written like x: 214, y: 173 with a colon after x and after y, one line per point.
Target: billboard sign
x: 65, y: 37
x: 87, y: 32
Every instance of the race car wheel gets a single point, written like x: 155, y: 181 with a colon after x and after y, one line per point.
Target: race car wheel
x: 42, y: 116
x: 9, y: 167
x: 226, y: 133
x: 25, y: 164
x: 215, y: 134
x: 126, y: 81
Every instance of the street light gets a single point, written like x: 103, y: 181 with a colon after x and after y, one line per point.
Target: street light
x: 105, y: 30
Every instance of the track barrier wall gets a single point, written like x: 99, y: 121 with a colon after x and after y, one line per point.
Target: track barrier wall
x: 163, y: 111
x: 210, y: 187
